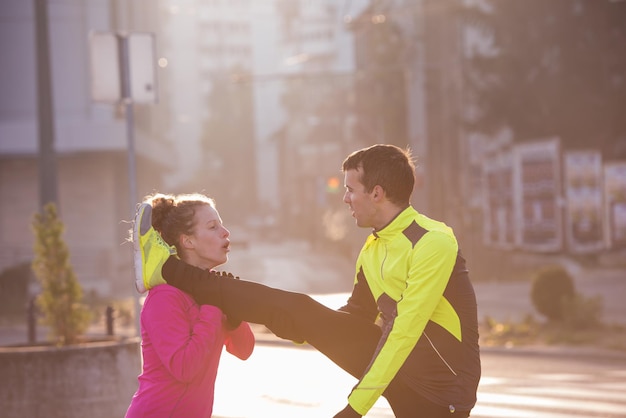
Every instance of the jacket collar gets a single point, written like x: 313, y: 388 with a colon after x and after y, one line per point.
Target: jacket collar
x: 397, y: 224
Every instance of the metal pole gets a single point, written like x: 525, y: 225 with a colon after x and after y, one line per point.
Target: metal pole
x: 130, y: 118
x: 130, y: 135
x: 47, y: 161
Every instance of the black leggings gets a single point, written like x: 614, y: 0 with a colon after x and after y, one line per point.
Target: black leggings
x: 347, y: 340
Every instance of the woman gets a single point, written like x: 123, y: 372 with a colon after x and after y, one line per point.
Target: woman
x: 181, y: 340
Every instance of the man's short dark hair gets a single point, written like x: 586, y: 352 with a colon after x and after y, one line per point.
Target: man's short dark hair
x: 388, y: 166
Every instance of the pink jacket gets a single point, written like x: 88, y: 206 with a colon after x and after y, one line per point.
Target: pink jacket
x: 181, y: 348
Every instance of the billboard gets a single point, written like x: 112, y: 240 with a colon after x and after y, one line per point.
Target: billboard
x: 498, y: 225
x: 615, y: 204
x: 537, y: 195
x: 584, y: 227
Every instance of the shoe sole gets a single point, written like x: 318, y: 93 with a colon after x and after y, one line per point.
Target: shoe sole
x: 140, y: 227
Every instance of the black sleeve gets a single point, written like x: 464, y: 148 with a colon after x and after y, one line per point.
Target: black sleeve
x: 361, y: 301
x: 202, y: 285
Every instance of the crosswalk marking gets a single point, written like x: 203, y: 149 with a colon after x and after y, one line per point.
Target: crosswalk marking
x: 540, y: 402
x: 553, y: 396
x: 481, y: 411
x: 566, y: 392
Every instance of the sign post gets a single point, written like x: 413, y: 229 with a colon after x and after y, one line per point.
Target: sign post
x: 123, y: 72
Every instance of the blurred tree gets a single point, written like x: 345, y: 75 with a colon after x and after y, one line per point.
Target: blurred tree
x: 552, y: 68
x: 312, y: 144
x: 61, y: 297
x: 380, y: 87
x: 228, y: 145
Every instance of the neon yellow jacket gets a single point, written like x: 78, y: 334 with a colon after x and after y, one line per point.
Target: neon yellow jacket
x: 411, y: 275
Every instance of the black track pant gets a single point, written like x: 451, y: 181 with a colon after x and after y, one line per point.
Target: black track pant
x: 347, y: 340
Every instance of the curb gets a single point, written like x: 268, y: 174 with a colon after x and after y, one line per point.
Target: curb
x: 266, y: 338
x: 558, y: 351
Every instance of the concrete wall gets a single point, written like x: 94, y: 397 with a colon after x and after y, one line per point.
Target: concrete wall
x: 95, y: 380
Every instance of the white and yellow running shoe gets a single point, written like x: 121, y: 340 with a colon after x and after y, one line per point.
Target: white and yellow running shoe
x: 151, y: 252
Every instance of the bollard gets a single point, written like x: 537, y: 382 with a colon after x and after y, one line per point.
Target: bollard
x: 109, y: 320
x: 31, y: 320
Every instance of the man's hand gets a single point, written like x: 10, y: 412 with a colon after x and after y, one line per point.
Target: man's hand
x: 227, y: 274
x: 231, y: 322
x: 348, y: 412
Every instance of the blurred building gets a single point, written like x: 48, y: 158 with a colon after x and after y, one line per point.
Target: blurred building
x: 315, y: 88
x: 91, y: 171
x: 258, y: 104
x: 222, y: 123
x: 409, y: 91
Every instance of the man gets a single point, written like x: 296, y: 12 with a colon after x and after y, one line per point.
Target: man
x: 410, y: 278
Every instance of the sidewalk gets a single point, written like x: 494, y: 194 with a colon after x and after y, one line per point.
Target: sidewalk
x: 510, y: 301
x: 297, y: 266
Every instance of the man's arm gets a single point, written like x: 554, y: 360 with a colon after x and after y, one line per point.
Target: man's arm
x: 432, y: 261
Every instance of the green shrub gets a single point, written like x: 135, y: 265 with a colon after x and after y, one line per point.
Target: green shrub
x: 581, y: 313
x: 551, y: 287
x: 61, y: 296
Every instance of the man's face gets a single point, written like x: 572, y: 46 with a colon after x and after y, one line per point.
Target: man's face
x: 360, y: 201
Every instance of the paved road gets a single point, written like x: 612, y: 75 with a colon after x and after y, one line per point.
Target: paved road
x: 551, y: 384
x: 281, y: 380
x: 288, y: 382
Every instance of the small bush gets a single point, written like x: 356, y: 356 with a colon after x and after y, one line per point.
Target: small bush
x: 551, y: 286
x: 580, y: 313
x: 61, y: 298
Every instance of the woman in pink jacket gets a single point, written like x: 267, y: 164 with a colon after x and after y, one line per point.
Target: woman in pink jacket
x: 181, y: 340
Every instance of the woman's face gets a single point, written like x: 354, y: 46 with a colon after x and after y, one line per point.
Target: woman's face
x: 208, y: 246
